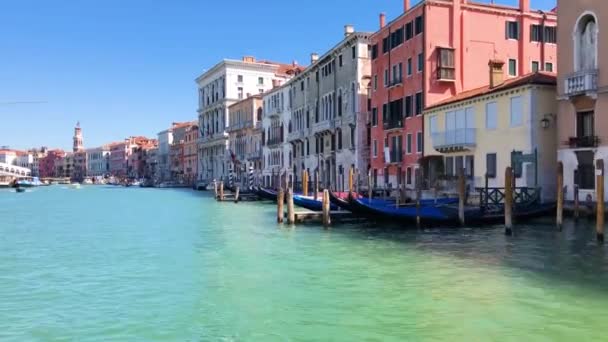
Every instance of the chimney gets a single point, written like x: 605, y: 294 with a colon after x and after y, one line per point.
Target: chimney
x: 294, y: 63
x: 314, y: 57
x: 348, y: 30
x: 497, y: 75
x: 248, y: 59
x: 382, y: 20
x: 406, y: 5
x: 524, y: 6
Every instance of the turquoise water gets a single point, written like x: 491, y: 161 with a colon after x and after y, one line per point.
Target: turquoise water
x: 103, y: 263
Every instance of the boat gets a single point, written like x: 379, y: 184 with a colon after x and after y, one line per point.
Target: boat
x: 341, y: 200
x: 75, y: 186
x: 201, y: 186
x: 267, y: 194
x: 87, y: 181
x: 311, y: 203
x: 27, y: 182
x: 20, y: 190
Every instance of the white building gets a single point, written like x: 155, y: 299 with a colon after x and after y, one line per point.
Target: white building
x: 98, y: 161
x: 329, y: 111
x: 277, y: 157
x: 221, y: 86
x: 163, y: 168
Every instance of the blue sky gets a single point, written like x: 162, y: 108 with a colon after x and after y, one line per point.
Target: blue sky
x: 127, y: 67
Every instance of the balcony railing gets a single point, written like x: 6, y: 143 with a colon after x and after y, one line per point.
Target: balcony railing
x: 396, y: 156
x: 581, y: 82
x: 325, y: 125
x: 297, y: 135
x: 274, y: 141
x: 393, y: 123
x: 457, y: 139
x: 584, y: 141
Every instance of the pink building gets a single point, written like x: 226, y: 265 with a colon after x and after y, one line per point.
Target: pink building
x: 118, y: 158
x: 47, y: 163
x: 434, y: 51
x: 190, y: 166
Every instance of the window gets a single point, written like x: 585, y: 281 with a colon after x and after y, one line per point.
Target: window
x: 340, y: 60
x: 239, y: 78
x: 339, y: 139
x: 512, y: 67
x: 409, y: 30
x: 491, y: 115
x: 469, y: 166
x: 449, y: 166
x: 535, y: 66
x: 408, y: 106
x: 491, y: 165
x: 400, y: 77
x: 550, y: 34
x: 549, y: 67
x: 374, y: 117
x: 408, y: 175
x: 433, y: 123
x: 512, y: 30
x: 395, y: 76
x: 240, y: 92
x: 409, y: 66
x: 419, y: 142
x: 517, y: 116
x: 418, y: 25
x: 397, y: 38
x: 260, y: 80
x: 375, y: 148
x: 302, y: 86
x: 375, y: 82
x: 584, y: 124
x: 419, y: 104
x: 536, y: 33
x: 352, y: 137
x: 353, y: 51
x: 408, y: 144
x: 420, y: 61
x: 385, y: 45
x: 374, y: 51
x: 261, y: 91
x: 385, y: 78
x: 446, y: 69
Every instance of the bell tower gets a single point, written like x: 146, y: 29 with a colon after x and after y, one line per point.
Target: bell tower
x: 78, y: 146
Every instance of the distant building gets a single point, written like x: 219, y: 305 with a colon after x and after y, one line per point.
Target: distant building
x: 80, y: 156
x: 64, y: 166
x: 245, y: 135
x: 98, y: 161
x: 190, y: 167
x: 47, y: 163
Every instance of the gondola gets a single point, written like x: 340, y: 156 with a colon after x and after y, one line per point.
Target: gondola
x: 341, y: 201
x: 267, y: 194
x: 308, y: 202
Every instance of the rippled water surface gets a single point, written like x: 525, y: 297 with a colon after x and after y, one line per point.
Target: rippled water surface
x: 103, y: 263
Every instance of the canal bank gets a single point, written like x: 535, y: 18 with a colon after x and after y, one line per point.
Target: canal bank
x: 149, y: 264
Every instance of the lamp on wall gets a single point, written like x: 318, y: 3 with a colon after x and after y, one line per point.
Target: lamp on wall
x: 545, y: 122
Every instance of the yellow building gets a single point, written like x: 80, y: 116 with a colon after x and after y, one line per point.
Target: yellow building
x: 484, y: 129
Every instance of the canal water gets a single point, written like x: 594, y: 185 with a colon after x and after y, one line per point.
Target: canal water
x: 111, y: 263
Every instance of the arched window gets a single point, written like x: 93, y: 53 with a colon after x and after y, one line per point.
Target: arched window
x: 260, y: 114
x: 585, y: 42
x: 339, y: 102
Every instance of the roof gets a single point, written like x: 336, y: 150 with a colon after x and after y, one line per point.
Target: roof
x: 540, y: 77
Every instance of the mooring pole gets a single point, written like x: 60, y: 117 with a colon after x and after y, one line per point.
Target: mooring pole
x: 291, y: 218
x: 280, y: 200
x: 236, y: 195
x: 369, y: 185
x: 326, y: 212
x: 316, y: 184
x: 305, y: 183
x: 508, y: 201
x: 351, y: 175
x: 560, y: 195
x: 576, y: 203
x: 461, y: 196
x: 222, y: 191
x: 601, y: 204
x: 418, y: 195
x: 215, y: 188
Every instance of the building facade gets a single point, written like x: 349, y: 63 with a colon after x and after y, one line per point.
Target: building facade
x: 436, y: 50
x: 190, y: 166
x: 276, y: 151
x: 582, y: 93
x: 47, y: 163
x: 244, y: 131
x: 483, y: 131
x: 221, y: 86
x: 329, y: 111
x: 98, y: 161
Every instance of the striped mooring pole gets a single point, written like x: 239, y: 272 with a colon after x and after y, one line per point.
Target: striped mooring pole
x: 251, y: 177
x: 230, y: 176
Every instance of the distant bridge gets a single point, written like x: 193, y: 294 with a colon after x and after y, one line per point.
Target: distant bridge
x: 14, y: 171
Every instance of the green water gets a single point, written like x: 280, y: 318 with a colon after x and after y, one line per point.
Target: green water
x: 103, y: 263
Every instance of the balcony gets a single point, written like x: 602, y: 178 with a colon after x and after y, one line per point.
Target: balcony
x: 323, y: 126
x: 273, y: 142
x: 393, y: 123
x: 454, y: 140
x: 395, y: 82
x: 581, y: 82
x: 584, y: 142
x: 298, y: 135
x: 254, y: 155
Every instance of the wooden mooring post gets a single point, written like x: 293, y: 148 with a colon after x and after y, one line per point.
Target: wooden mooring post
x: 351, y: 179
x: 316, y: 194
x: 215, y: 188
x: 418, y: 195
x: 461, y: 196
x: 599, y: 197
x: 222, y: 191
x: 508, y: 201
x: 305, y: 183
x: 369, y: 185
x: 291, y: 218
x: 236, y: 195
x: 280, y: 201
x: 576, y: 203
x: 560, y: 196
x: 326, y: 207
